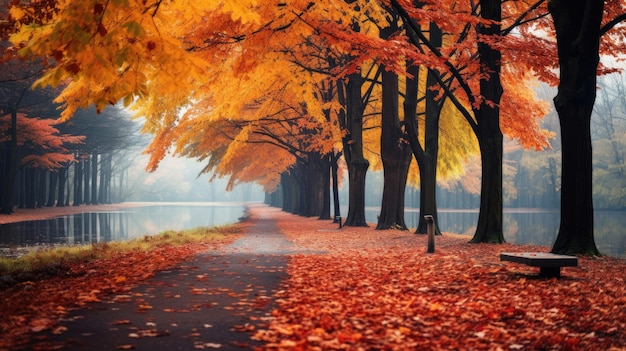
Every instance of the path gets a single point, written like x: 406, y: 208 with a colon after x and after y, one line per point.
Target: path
x: 216, y: 300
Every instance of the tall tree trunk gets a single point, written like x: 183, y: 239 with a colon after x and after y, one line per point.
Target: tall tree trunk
x: 396, y: 157
x: 68, y: 194
x: 325, y: 183
x: 577, y: 24
x: 489, y: 228
x: 86, y: 179
x: 21, y: 188
x: 334, y: 169
x: 428, y: 164
x: 10, y: 166
x: 488, y: 133
x: 62, y: 182
x: 30, y: 187
x: 102, y: 190
x: 426, y: 157
x: 394, y: 148
x: 108, y: 177
x: 350, y: 97
x: 94, y: 178
x: 52, y: 189
x: 42, y: 187
x: 290, y: 194
x: 78, y: 181
x: 323, y: 177
x: 327, y: 90
x: 304, y: 183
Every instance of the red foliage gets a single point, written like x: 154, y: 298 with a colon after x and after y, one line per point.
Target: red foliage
x: 38, y: 304
x: 380, y: 290
x: 358, y: 288
x: 39, y: 143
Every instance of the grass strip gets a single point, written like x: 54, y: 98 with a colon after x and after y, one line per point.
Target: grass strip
x: 53, y: 257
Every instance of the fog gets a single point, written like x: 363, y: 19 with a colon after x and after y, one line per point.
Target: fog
x: 178, y: 179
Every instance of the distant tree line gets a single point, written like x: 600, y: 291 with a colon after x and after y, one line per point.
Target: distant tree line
x: 47, y: 163
x: 532, y: 178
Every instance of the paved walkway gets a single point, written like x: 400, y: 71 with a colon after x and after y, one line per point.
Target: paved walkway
x: 216, y: 300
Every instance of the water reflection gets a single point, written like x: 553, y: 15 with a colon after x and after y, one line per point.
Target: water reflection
x: 92, y: 227
x: 529, y: 227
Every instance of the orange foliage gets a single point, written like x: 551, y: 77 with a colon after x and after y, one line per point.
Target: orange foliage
x: 39, y: 143
x: 376, y: 290
x: 264, y: 65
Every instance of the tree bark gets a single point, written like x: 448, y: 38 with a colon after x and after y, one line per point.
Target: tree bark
x: 396, y: 157
x: 488, y: 132
x: 577, y: 24
x: 334, y: 169
x: 78, y: 182
x: 10, y: 167
x: 61, y: 192
x: 42, y: 187
x: 489, y: 228
x: 287, y: 193
x: 94, y: 178
x: 30, y: 187
x: 54, y: 176
x: 87, y: 178
x: 428, y: 159
x: 353, y: 105
x: 325, y: 186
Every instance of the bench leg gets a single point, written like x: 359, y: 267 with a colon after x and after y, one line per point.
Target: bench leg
x: 551, y: 272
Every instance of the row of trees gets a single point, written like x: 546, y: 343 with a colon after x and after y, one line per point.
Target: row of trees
x: 44, y: 162
x: 89, y: 172
x: 532, y: 179
x: 277, y: 93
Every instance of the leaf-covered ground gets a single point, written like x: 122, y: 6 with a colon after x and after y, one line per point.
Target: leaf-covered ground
x: 362, y: 289
x: 35, y: 305
x: 381, y: 290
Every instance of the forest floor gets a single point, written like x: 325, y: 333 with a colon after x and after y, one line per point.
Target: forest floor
x: 329, y: 288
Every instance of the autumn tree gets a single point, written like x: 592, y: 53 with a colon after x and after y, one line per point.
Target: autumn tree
x: 17, y: 98
x: 481, y: 87
x: 39, y: 145
x: 394, y: 147
x: 222, y: 60
x: 107, y: 135
x: 579, y: 27
x: 426, y: 154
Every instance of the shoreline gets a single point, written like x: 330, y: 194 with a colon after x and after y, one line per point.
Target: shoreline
x: 33, y: 214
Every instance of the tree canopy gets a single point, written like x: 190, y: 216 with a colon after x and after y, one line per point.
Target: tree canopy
x: 256, y: 90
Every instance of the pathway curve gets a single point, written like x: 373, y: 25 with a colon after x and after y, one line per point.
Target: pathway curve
x: 216, y: 300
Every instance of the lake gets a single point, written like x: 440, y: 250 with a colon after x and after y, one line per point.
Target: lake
x: 527, y: 226
x: 129, y: 223
x: 520, y: 226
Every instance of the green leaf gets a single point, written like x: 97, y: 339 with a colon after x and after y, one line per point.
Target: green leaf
x: 133, y: 28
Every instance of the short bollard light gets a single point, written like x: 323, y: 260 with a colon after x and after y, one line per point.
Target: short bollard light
x: 431, y: 233
x: 338, y: 220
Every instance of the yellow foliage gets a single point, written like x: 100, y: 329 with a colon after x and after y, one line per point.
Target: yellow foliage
x: 231, y: 82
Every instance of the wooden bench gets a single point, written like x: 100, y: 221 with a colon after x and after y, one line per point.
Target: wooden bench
x: 549, y: 264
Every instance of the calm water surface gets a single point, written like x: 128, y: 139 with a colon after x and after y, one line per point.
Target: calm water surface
x: 528, y: 226
x: 520, y: 226
x: 132, y: 222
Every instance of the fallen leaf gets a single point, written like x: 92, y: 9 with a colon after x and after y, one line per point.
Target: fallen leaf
x: 59, y: 330
x: 121, y: 322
